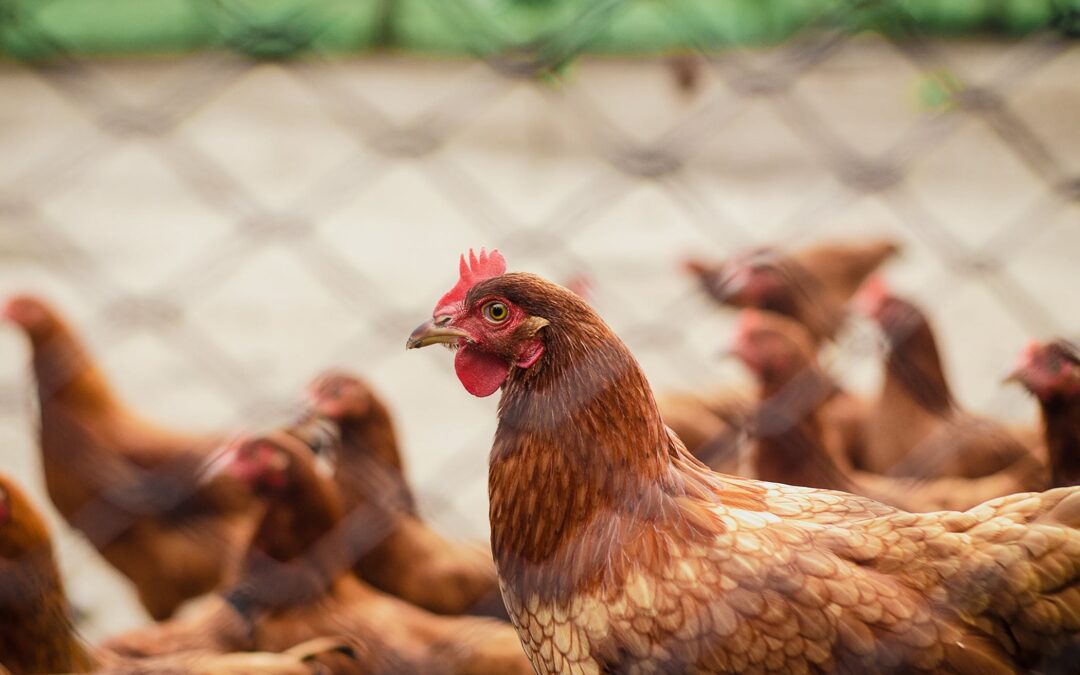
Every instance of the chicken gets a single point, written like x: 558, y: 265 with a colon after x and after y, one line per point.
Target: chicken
x: 790, y: 439
x: 916, y: 428
x: 840, y: 416
x: 619, y: 552
x: 715, y: 426
x: 812, y: 285
x: 364, y: 450
x: 296, y: 582
x: 395, y: 551
x: 1052, y: 373
x: 129, y: 486
x: 36, y: 634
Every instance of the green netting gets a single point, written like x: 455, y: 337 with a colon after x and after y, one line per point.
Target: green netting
x: 549, y: 29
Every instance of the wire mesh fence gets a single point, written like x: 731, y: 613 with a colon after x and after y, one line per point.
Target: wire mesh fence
x: 222, y: 225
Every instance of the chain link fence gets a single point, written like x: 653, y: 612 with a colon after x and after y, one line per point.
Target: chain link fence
x: 223, y: 224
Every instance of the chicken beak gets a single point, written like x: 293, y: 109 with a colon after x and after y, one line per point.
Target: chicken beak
x: 727, y: 352
x: 435, y: 331
x: 1023, y: 362
x: 218, y: 461
x: 732, y: 281
x: 1015, y: 376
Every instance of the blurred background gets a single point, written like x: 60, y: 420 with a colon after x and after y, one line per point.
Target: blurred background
x: 227, y: 196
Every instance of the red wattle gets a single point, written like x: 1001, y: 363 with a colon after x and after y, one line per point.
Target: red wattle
x: 480, y: 373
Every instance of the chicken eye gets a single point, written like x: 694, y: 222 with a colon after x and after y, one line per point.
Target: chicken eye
x: 496, y: 312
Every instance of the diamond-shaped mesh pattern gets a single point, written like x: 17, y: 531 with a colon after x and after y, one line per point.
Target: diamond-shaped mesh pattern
x: 221, y: 227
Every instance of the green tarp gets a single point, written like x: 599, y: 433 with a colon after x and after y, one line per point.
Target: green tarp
x: 551, y: 30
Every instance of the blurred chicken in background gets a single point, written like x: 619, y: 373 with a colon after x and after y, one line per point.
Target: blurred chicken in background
x: 37, y: 635
x: 789, y: 440
x: 811, y: 286
x: 395, y: 550
x: 1051, y: 372
x: 916, y: 427
x: 130, y: 486
x: 296, y: 582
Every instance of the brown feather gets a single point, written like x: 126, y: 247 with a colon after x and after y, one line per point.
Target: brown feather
x: 36, y: 635
x: 803, y: 579
x: 297, y: 586
x: 129, y: 485
x: 916, y: 428
x: 396, y: 551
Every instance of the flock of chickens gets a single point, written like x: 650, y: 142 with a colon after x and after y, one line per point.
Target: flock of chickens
x: 795, y: 529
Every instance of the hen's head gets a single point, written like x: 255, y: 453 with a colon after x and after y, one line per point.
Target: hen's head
x: 22, y: 529
x: 755, y: 278
x: 494, y: 320
x: 897, y: 318
x: 339, y: 395
x: 263, y: 464
x: 774, y: 347
x: 32, y: 314
x: 1050, y: 370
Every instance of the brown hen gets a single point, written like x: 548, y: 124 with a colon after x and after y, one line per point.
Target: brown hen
x: 127, y: 484
x: 396, y: 551
x: 790, y: 445
x: 618, y: 552
x: 296, y: 583
x: 812, y: 285
x: 1052, y: 373
x: 36, y: 634
x: 789, y: 438
x: 917, y: 428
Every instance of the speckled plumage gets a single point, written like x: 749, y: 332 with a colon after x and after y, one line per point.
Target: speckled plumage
x: 620, y: 553
x: 808, y: 587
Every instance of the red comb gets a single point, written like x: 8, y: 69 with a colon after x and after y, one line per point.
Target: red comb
x: 749, y: 320
x: 478, y: 268
x: 1027, y: 356
x: 11, y: 307
x: 870, y: 295
x: 25, y: 310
